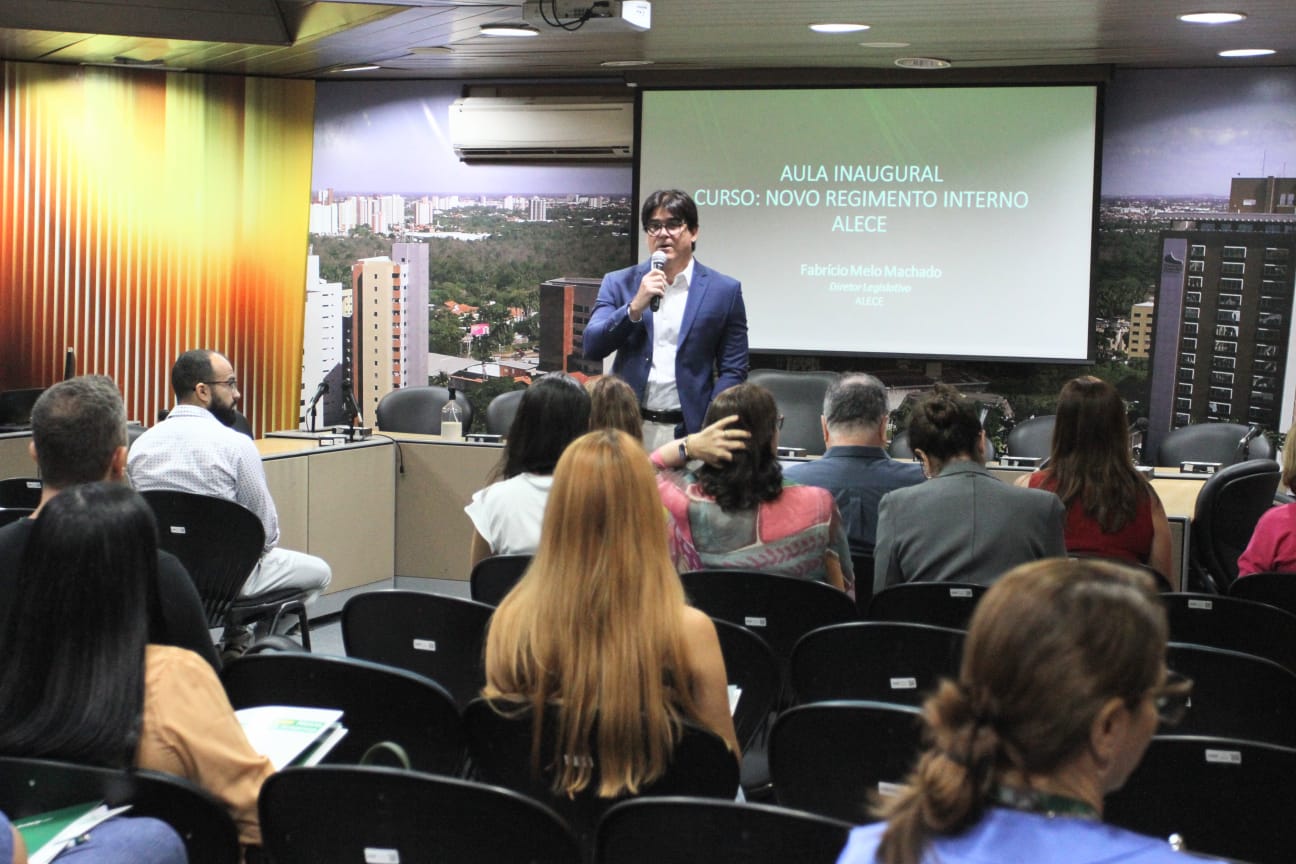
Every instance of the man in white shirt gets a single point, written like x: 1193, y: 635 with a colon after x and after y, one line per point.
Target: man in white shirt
x: 194, y: 450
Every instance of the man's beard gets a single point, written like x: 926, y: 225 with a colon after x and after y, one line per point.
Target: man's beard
x: 224, y: 413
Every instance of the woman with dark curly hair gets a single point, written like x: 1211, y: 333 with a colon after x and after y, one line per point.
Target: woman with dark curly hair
x: 1062, y: 685
x: 736, y: 511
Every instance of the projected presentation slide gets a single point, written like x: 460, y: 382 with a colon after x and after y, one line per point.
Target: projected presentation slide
x: 941, y: 223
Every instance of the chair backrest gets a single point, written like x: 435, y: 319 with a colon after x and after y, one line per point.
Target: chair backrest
x: 884, y: 661
x: 1219, y: 795
x: 899, y: 447
x: 336, y: 814
x: 862, y: 565
x: 1210, y: 442
x: 800, y: 397
x: 754, y: 670
x: 494, y: 576
x: 418, y: 410
x: 1233, y: 624
x: 13, y: 514
x: 944, y: 604
x: 781, y: 609
x: 378, y: 703
x: 20, y: 492
x: 218, y: 541
x: 1275, y: 589
x: 829, y: 757
x: 32, y: 786
x: 1032, y: 438
x: 499, y: 743
x: 437, y: 636
x: 1228, y: 507
x: 1235, y: 695
x: 686, y: 830
x: 501, y: 410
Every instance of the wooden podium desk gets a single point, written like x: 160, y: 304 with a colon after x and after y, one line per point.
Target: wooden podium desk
x: 337, y: 502
x: 433, y: 534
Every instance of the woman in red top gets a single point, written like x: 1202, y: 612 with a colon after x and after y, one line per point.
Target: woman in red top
x: 1112, y: 511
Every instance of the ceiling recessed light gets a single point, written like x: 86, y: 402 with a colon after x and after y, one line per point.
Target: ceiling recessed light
x: 366, y: 68
x: 509, y: 30
x: 620, y: 63
x: 1247, y: 52
x: 922, y: 63
x: 1211, y: 17
x: 838, y: 28
x: 884, y: 44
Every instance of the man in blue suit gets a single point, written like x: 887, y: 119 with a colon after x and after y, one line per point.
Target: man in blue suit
x: 679, y: 355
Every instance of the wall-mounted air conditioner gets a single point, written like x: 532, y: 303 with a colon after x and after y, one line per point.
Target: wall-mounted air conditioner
x: 549, y: 129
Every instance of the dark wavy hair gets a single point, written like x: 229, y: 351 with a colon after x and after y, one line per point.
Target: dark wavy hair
x: 613, y: 405
x: 72, y: 634
x: 753, y: 476
x: 1091, y: 459
x: 676, y: 202
x: 1050, y: 643
x: 553, y: 412
x: 944, y: 424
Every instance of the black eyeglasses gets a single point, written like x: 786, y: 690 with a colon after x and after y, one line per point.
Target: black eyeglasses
x: 231, y: 383
x: 1173, y: 698
x: 670, y: 226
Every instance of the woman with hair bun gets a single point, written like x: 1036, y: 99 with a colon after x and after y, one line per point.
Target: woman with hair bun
x: 1062, y: 685
x: 963, y: 524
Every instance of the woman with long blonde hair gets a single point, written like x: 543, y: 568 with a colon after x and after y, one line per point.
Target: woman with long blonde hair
x: 598, y: 629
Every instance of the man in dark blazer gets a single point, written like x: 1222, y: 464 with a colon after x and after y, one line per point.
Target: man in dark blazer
x: 679, y: 355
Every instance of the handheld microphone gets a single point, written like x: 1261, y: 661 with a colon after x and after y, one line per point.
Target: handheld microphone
x: 658, y: 263
x: 1244, y: 445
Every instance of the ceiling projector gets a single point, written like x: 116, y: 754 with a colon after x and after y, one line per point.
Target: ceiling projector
x: 602, y: 14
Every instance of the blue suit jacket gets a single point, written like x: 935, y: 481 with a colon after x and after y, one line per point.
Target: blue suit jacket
x: 712, y: 350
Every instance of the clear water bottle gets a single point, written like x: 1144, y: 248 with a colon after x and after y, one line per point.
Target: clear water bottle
x: 451, y: 419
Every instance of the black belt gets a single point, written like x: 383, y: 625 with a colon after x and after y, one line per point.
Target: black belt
x: 672, y: 417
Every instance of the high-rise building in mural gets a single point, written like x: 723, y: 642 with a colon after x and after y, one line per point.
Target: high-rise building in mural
x: 1140, y: 332
x: 321, y: 344
x: 565, y: 306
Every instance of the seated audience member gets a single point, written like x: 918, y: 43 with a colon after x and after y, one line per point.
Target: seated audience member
x: 856, y: 468
x: 1273, y: 543
x: 739, y: 512
x: 613, y: 405
x: 1112, y: 510
x: 598, y: 627
x: 1062, y: 681
x: 119, y: 840
x: 193, y: 450
x: 79, y: 436
x: 963, y: 524
x: 80, y: 684
x: 506, y: 515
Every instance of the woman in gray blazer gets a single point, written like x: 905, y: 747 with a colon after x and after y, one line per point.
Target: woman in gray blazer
x: 963, y: 525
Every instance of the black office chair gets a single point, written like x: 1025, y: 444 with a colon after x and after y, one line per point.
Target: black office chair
x: 378, y: 703
x: 1235, y: 695
x: 13, y: 514
x: 418, y: 410
x: 943, y: 604
x: 830, y: 758
x: 1220, y: 443
x: 1221, y: 796
x: 781, y: 609
x: 501, y: 410
x: 32, y: 786
x: 687, y: 830
x: 1274, y: 589
x: 494, y: 576
x: 1032, y: 438
x: 20, y: 492
x: 751, y: 667
x: 437, y: 636
x: 339, y: 815
x: 863, y: 566
x: 220, y: 542
x: 800, y: 397
x: 1234, y: 625
x: 883, y: 661
x: 499, y: 743
x: 899, y: 447
x: 1228, y: 507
